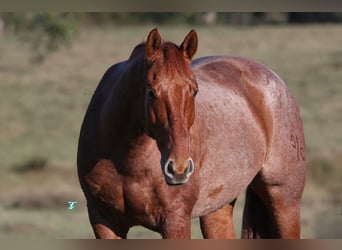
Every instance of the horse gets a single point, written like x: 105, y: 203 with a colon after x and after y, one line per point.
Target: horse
x: 167, y: 138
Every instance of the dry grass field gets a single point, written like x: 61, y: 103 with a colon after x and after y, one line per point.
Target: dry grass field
x: 42, y: 107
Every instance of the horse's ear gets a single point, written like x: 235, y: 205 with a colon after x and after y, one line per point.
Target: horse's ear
x: 153, y: 42
x: 189, y: 45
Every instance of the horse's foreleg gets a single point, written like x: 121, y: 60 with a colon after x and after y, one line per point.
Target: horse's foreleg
x: 219, y: 224
x: 104, y: 230
x: 177, y: 227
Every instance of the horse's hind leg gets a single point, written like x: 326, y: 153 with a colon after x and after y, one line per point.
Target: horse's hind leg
x: 219, y: 224
x: 277, y: 189
x: 255, y: 224
x: 272, y: 207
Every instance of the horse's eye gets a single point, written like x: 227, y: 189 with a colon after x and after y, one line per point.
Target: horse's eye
x: 154, y: 76
x: 195, y: 92
x: 151, y: 94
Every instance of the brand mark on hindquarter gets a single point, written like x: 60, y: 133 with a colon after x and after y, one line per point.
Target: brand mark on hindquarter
x: 299, y: 148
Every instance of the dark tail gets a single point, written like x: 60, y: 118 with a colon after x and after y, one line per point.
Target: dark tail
x: 256, y: 221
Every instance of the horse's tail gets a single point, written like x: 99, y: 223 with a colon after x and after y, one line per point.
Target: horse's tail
x: 256, y: 220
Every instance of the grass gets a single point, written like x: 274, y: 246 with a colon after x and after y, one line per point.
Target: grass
x: 42, y: 107
x: 34, y: 164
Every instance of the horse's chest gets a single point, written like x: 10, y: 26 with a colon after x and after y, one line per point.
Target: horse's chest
x: 142, y: 200
x: 133, y: 193
x: 104, y: 184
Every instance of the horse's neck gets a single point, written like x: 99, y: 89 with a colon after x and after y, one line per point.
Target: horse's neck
x: 122, y: 117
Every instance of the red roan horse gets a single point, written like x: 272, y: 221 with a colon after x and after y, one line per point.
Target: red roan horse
x: 165, y: 140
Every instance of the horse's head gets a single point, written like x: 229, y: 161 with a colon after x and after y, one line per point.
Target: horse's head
x: 170, y: 90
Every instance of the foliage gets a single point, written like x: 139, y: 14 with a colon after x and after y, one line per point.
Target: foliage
x: 45, y: 32
x: 34, y: 164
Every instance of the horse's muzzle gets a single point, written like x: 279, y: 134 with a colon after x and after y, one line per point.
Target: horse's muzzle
x: 175, y: 177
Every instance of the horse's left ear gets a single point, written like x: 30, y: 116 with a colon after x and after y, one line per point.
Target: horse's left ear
x: 153, y: 43
x: 189, y: 45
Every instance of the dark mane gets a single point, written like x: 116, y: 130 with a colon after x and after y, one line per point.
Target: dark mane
x: 138, y: 50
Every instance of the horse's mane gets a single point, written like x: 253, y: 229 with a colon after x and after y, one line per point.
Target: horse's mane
x: 138, y: 50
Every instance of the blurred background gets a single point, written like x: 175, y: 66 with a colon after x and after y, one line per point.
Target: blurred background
x: 50, y: 64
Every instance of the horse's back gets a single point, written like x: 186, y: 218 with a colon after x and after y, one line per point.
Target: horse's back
x: 238, y: 74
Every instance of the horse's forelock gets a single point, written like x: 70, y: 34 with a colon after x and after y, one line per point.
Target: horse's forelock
x: 169, y: 57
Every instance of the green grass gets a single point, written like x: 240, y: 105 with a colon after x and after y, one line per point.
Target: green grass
x: 42, y: 107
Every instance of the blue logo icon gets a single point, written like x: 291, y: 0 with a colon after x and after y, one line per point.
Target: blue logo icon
x: 72, y: 205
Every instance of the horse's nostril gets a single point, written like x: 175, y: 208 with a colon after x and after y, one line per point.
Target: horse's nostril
x: 190, y: 167
x: 170, y: 168
x: 173, y: 177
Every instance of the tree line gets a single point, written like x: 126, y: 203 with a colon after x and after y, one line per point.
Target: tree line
x: 47, y: 32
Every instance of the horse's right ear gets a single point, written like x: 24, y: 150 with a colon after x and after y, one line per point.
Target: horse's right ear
x: 153, y: 43
x: 189, y: 45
